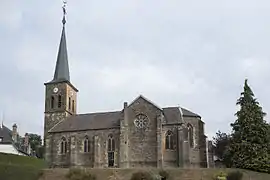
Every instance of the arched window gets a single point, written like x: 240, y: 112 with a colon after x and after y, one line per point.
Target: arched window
x: 190, y: 135
x: 169, y: 141
x: 111, y: 143
x: 73, y: 106
x: 63, y: 146
x: 86, y: 145
x: 111, y: 149
x: 69, y: 103
x: 52, y: 102
x: 59, y: 101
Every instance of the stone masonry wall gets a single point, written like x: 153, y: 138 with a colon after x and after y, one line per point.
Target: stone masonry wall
x: 143, y: 142
x: 202, y: 145
x: 141, y: 147
x: 77, y: 156
x: 195, y: 159
x: 53, y: 115
x: 170, y: 156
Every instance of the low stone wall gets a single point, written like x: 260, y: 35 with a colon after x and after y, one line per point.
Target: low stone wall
x: 177, y: 174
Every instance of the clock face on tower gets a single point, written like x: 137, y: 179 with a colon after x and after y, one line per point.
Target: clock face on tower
x: 55, y: 90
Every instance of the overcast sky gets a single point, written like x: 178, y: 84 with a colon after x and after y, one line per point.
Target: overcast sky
x: 194, y: 53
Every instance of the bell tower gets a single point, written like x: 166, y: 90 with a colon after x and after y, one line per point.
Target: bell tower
x: 60, y: 94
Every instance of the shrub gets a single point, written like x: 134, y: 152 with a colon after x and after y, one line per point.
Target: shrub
x: 236, y: 175
x: 114, y: 175
x: 164, y: 174
x: 220, y: 176
x: 79, y: 174
x: 141, y: 175
x: 40, y: 173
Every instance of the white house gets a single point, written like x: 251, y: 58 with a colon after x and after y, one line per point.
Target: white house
x: 10, y: 149
x: 12, y: 143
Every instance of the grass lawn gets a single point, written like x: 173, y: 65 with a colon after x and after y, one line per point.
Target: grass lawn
x: 14, y: 167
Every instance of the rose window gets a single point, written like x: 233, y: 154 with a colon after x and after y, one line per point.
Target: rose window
x: 141, y: 121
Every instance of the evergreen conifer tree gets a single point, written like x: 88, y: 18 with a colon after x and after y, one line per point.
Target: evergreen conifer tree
x: 250, y: 143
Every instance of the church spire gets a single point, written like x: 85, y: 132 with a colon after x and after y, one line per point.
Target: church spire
x: 62, y: 69
x: 2, y: 120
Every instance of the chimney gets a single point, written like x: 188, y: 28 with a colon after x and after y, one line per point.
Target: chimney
x: 14, y: 133
x: 125, y: 114
x: 125, y: 105
x: 26, y: 139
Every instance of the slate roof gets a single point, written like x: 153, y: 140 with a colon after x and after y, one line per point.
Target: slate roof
x: 61, y: 72
x: 172, y: 115
x: 188, y: 113
x: 6, y: 135
x: 105, y: 120
x: 92, y: 121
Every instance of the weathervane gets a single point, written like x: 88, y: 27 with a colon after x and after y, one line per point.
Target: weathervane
x: 64, y: 11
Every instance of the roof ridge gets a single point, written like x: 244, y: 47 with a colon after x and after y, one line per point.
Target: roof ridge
x: 57, y: 124
x: 146, y: 99
x: 102, y: 112
x: 170, y: 107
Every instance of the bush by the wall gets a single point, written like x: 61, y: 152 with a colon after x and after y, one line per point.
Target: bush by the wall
x: 220, y: 176
x: 164, y: 174
x: 236, y: 175
x: 141, y: 175
x: 79, y: 174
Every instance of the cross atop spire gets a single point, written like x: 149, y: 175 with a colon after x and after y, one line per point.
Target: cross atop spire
x: 64, y: 12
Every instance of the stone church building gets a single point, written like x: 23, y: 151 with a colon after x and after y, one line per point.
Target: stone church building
x: 140, y: 134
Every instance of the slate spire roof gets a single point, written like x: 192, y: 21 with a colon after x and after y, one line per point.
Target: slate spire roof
x: 62, y: 68
x: 61, y: 73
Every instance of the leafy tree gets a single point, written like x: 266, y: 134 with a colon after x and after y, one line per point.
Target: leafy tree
x: 249, y: 148
x: 221, y: 143
x: 36, y: 144
x: 35, y: 141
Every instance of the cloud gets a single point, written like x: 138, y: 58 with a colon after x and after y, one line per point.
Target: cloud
x: 195, y: 54
x: 10, y: 15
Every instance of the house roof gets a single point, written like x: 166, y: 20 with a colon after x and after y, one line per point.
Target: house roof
x: 106, y: 120
x: 5, y: 134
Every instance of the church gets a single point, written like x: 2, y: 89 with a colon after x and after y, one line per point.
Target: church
x: 140, y: 134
